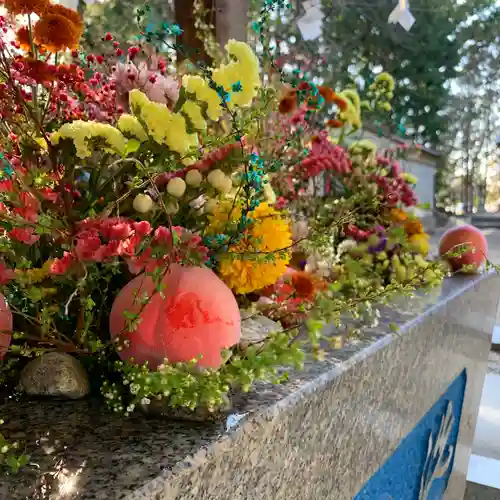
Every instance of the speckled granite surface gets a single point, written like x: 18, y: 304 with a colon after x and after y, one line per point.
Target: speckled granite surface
x: 320, y: 436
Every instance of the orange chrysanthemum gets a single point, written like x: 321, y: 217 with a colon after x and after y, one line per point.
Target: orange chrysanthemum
x: 23, y: 38
x: 304, y: 284
x: 340, y: 102
x: 288, y: 103
x: 16, y: 7
x: 56, y: 33
x: 334, y: 123
x: 413, y: 226
x: 70, y: 14
x: 327, y: 93
x: 398, y: 215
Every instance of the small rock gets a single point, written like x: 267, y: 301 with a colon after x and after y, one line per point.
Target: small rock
x: 258, y: 328
x: 55, y: 374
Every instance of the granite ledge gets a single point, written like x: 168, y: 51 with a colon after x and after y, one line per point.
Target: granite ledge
x: 79, y: 451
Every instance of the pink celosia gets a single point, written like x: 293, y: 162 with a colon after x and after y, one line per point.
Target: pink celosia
x: 162, y: 88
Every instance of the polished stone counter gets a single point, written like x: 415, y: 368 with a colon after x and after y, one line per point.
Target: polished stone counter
x: 325, y: 434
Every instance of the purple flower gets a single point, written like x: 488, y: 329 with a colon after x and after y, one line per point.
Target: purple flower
x: 379, y: 247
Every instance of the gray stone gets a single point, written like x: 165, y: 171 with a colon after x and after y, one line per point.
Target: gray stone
x: 55, y: 374
x: 257, y: 328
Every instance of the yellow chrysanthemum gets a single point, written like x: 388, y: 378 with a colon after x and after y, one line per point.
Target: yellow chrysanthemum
x: 420, y: 243
x: 196, y: 85
x: 268, y: 235
x: 81, y: 133
x: 387, y: 79
x: 362, y: 146
x: 129, y: 124
x: 243, y: 70
x: 193, y: 112
x: 409, y: 178
x: 352, y: 114
x: 163, y: 126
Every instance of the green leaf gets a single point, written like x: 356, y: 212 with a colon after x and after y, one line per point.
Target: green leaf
x: 132, y: 146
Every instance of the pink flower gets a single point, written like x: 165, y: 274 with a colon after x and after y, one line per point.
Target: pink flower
x: 129, y: 246
x: 137, y: 264
x: 396, y: 169
x: 142, y: 228
x: 62, y: 265
x: 163, y: 236
x: 119, y: 231
x: 88, y: 247
x: 281, y: 203
x: 6, y: 274
x: 24, y: 235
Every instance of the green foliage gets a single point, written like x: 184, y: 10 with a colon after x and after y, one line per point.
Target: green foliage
x: 10, y: 461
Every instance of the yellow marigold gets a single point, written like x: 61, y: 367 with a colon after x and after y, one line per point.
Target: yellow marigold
x: 81, y: 133
x: 129, y: 124
x: 193, y: 112
x: 420, y: 243
x: 56, y: 33
x: 164, y: 126
x: 242, y: 70
x: 387, y: 79
x: 268, y: 235
x: 16, y: 7
x: 196, y: 85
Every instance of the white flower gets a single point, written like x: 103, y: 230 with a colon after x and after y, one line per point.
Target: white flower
x: 176, y: 187
x: 142, y: 203
x: 217, y: 179
x: 194, y: 178
x: 344, y: 247
x: 145, y: 401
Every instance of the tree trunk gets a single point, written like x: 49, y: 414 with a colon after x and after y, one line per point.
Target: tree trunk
x: 192, y: 47
x: 231, y: 20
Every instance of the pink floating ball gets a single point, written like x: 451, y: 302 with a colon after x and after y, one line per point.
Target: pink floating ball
x: 5, y: 326
x: 471, y: 238
x: 197, y: 316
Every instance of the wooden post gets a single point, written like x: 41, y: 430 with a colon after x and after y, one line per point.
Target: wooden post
x: 194, y: 48
x: 231, y: 20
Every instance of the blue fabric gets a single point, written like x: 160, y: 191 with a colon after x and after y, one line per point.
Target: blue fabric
x: 399, y: 478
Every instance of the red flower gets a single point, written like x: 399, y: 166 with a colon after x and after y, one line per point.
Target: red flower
x: 24, y: 235
x: 142, y: 228
x: 88, y: 247
x: 6, y: 274
x: 163, y: 236
x: 62, y: 265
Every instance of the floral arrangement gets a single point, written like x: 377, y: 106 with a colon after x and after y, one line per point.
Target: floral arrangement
x: 142, y: 209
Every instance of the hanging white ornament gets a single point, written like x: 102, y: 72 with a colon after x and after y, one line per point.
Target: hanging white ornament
x: 402, y: 15
x: 311, y: 22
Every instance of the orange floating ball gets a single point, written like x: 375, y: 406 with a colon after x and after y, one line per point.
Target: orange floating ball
x: 5, y: 326
x: 198, y: 316
x: 469, y: 237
